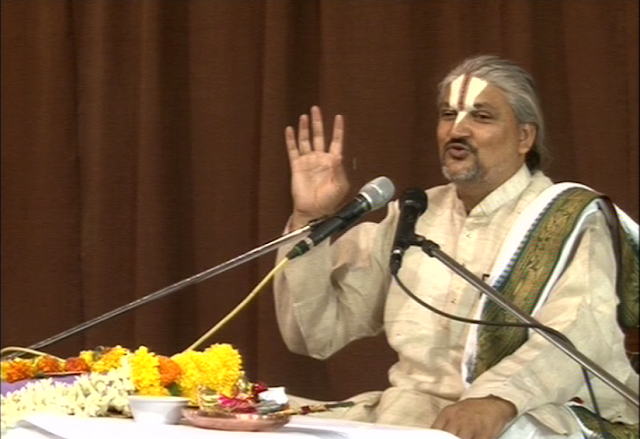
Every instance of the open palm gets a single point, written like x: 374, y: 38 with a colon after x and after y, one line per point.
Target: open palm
x: 318, y: 179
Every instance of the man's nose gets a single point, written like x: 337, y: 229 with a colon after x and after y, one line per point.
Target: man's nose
x: 460, y: 127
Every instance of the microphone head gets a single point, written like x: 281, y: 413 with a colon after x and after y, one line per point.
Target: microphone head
x: 415, y: 198
x: 378, y: 192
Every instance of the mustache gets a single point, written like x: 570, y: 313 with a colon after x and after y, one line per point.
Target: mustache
x: 460, y: 143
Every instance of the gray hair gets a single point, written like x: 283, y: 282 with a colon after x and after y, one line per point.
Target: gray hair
x: 521, y: 93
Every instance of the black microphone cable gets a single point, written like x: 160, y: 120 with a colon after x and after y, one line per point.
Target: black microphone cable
x: 603, y: 431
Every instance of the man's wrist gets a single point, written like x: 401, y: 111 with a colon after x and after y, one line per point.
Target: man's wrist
x: 299, y: 219
x: 509, y: 408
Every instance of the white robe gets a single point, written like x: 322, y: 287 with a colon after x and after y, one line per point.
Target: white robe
x: 342, y: 292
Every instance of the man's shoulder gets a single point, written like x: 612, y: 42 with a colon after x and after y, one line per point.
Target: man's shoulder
x: 538, y: 183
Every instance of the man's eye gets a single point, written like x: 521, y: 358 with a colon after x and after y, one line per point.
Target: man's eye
x: 482, y: 116
x: 448, y: 114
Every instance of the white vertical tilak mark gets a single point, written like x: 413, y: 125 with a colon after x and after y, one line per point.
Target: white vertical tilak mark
x: 468, y: 95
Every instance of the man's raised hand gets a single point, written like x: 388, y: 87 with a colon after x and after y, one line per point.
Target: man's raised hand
x: 318, y: 178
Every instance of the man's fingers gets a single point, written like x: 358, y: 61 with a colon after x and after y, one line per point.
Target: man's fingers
x: 318, y: 129
x: 290, y: 140
x: 311, y: 135
x: 303, y: 135
x: 338, y: 135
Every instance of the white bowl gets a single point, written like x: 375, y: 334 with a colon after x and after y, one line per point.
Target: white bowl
x: 157, y: 409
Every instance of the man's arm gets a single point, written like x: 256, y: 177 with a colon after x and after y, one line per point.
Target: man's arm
x: 335, y: 294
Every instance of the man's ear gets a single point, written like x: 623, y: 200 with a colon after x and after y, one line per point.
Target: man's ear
x: 526, y: 137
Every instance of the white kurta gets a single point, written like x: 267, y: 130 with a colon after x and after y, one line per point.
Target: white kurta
x: 342, y: 292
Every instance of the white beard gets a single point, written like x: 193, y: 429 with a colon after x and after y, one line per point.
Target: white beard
x: 475, y: 174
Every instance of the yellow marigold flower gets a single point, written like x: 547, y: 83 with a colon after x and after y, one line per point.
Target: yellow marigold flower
x: 110, y: 359
x: 87, y: 356
x: 218, y: 368
x: 221, y: 366
x: 145, y: 373
x: 189, y: 378
x: 156, y: 391
x: 4, y: 367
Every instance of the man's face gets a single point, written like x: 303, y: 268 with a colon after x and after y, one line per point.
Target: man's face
x: 479, y: 139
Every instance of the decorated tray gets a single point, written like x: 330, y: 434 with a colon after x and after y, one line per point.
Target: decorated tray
x: 234, y: 421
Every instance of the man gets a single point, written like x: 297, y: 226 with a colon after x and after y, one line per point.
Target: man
x: 491, y: 143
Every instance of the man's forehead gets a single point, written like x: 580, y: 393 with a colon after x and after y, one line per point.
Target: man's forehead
x: 463, y: 93
x: 479, y: 103
x: 464, y: 90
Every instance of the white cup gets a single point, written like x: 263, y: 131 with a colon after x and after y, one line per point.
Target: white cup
x: 157, y: 409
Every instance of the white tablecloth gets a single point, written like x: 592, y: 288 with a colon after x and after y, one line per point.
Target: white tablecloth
x: 300, y: 427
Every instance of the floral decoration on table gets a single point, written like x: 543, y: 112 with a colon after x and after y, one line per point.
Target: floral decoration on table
x: 107, y: 376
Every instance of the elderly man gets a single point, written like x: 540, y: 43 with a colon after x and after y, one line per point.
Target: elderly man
x: 452, y: 375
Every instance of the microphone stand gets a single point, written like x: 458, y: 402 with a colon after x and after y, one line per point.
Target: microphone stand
x: 231, y: 263
x: 432, y: 249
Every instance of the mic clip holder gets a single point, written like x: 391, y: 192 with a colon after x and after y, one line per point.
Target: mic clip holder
x: 395, y: 261
x: 433, y: 250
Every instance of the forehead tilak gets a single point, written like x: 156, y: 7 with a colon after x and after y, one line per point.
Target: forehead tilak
x: 463, y: 93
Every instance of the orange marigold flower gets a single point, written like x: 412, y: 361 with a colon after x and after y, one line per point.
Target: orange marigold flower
x: 169, y: 370
x: 48, y: 364
x: 19, y: 370
x: 76, y: 364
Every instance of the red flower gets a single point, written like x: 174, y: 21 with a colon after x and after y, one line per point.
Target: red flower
x: 48, y: 364
x: 256, y: 389
x: 237, y: 405
x: 76, y: 364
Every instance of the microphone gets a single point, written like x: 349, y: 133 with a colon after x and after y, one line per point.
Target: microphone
x: 413, y: 203
x: 373, y: 195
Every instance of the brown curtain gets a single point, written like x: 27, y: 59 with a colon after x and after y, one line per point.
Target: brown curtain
x: 142, y: 143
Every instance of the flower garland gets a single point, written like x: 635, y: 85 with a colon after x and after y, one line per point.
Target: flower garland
x: 109, y: 375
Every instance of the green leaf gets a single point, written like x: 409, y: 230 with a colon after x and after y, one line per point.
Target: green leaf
x: 174, y: 389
